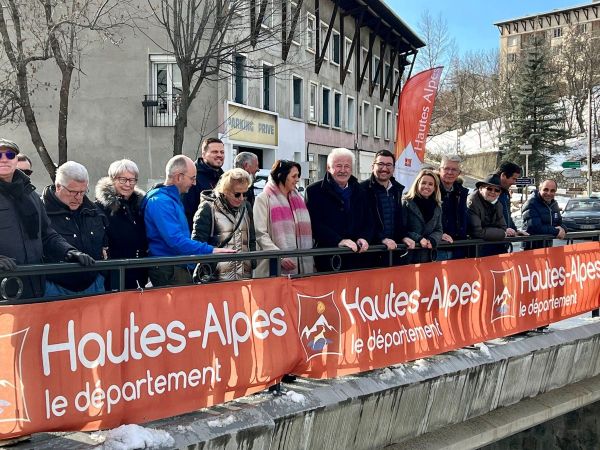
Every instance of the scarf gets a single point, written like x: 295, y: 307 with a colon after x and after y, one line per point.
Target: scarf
x: 18, y: 193
x: 289, y: 218
x: 426, y: 206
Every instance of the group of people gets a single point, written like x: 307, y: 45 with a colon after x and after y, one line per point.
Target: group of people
x: 201, y: 209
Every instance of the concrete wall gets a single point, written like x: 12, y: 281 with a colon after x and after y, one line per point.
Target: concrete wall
x: 480, y: 164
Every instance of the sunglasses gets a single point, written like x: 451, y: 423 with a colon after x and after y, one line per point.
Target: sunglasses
x: 493, y: 189
x: 240, y: 194
x: 27, y: 172
x: 9, y: 154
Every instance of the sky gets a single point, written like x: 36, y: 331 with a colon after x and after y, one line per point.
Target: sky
x: 471, y: 22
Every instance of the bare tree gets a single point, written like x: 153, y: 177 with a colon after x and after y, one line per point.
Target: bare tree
x: 35, y: 33
x: 441, y: 48
x: 205, y: 36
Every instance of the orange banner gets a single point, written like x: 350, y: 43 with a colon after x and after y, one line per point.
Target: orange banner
x: 133, y: 357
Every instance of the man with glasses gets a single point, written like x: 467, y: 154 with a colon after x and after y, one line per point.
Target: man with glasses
x: 454, y: 207
x: 384, y: 195
x: 339, y: 213
x: 166, y: 224
x: 26, y: 235
x: 209, y: 168
x: 508, y: 173
x: 24, y: 164
x: 486, y: 219
x: 81, y: 223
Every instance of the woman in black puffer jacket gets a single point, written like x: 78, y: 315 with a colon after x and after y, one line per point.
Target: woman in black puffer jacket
x: 119, y: 198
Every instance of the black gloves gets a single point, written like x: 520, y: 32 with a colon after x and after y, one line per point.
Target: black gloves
x: 7, y: 264
x: 80, y: 258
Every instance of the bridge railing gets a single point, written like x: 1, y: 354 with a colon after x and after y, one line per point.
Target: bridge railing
x: 117, y: 268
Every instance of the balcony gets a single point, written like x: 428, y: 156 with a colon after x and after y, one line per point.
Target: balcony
x: 160, y: 110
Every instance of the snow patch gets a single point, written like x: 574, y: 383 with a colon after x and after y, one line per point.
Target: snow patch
x: 386, y: 374
x: 484, y: 349
x: 131, y: 437
x: 296, y: 397
x: 220, y: 423
x: 421, y: 365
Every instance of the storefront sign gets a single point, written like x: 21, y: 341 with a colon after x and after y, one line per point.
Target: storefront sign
x: 251, y: 126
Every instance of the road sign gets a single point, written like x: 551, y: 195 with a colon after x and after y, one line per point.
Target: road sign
x: 526, y: 147
x: 577, y: 180
x: 575, y: 190
x: 525, y: 181
x: 526, y: 152
x: 571, y: 164
x: 571, y: 173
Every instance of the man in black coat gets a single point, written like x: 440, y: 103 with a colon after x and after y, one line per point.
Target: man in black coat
x: 541, y: 215
x: 81, y: 223
x: 339, y: 213
x: 384, y: 197
x: 208, y: 171
x: 249, y: 162
x: 26, y: 235
x: 454, y: 207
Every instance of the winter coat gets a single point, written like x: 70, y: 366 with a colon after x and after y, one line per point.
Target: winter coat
x: 15, y: 243
x: 332, y: 222
x: 418, y: 229
x: 166, y: 225
x: 454, y: 211
x: 214, y: 222
x: 84, y: 229
x: 370, y: 188
x: 206, y: 180
x: 540, y: 217
x: 125, y: 231
x: 504, y: 200
x: 486, y: 221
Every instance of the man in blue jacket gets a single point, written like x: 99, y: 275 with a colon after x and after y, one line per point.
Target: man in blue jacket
x: 541, y: 215
x: 454, y: 207
x: 166, y: 223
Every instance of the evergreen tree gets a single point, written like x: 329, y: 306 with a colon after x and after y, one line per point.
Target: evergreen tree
x: 536, y: 118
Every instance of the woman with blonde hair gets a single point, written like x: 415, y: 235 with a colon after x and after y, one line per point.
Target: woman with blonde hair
x: 423, y: 212
x: 224, y: 219
x: 282, y: 220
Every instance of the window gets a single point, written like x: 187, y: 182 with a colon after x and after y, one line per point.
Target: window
x: 376, y: 76
x: 396, y: 128
x: 313, y: 99
x: 293, y: 9
x: 556, y: 32
x: 268, y: 87
x: 239, y: 79
x: 337, y: 110
x: 325, y: 120
x: 322, y: 37
x: 511, y: 57
x: 165, y: 90
x: 296, y: 97
x: 387, y: 135
x: 310, y: 32
x: 386, y: 71
x: 366, y: 118
x: 377, y: 122
x: 395, y: 79
x: 347, y: 45
x: 350, y: 114
x: 335, y: 48
x: 582, y: 27
x: 512, y: 41
x: 267, y: 21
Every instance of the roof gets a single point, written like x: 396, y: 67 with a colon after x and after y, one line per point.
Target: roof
x: 547, y: 13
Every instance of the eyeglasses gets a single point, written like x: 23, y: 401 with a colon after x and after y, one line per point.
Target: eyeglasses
x: 240, y: 194
x: 450, y: 169
x: 342, y: 166
x: 493, y: 189
x: 9, y: 154
x: 384, y: 165
x: 75, y: 193
x: 123, y: 180
x: 27, y: 172
x: 187, y: 176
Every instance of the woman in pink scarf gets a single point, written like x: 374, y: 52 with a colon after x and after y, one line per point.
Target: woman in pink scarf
x: 281, y: 220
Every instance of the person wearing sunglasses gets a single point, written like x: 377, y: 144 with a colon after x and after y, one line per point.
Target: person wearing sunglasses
x: 81, y: 223
x: 24, y: 164
x: 224, y: 220
x: 486, y: 218
x: 119, y: 198
x: 27, y: 236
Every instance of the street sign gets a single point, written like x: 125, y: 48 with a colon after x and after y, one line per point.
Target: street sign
x: 526, y: 147
x: 525, y: 181
x: 575, y: 190
x: 571, y: 164
x: 526, y: 152
x: 571, y: 173
x: 577, y: 180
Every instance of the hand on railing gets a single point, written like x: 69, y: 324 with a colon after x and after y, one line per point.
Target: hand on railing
x: 83, y: 259
x: 7, y: 264
x: 224, y: 250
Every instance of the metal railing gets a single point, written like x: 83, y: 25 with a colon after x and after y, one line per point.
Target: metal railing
x: 160, y: 110
x: 118, y: 267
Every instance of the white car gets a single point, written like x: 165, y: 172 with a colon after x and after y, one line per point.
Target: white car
x: 260, y: 179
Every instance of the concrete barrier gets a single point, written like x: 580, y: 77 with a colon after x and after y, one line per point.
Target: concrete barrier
x: 396, y: 405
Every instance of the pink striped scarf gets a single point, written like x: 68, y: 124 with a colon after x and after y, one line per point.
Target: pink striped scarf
x: 290, y: 221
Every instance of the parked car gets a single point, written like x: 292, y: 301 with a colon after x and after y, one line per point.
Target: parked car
x: 582, y: 214
x: 260, y: 179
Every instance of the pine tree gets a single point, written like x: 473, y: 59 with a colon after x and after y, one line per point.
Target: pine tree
x: 536, y: 118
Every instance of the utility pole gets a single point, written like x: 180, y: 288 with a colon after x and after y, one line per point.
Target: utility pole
x: 589, y: 156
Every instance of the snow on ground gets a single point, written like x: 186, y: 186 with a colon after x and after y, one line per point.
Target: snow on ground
x: 296, y: 397
x: 131, y: 437
x: 220, y: 423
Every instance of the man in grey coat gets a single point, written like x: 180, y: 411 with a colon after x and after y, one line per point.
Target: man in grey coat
x: 26, y: 236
